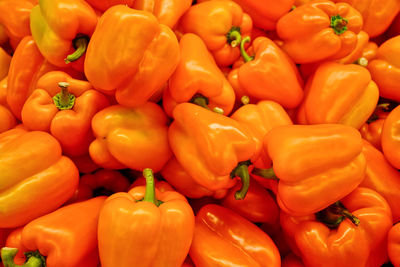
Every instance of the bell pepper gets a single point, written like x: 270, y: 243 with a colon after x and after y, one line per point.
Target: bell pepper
x: 339, y: 93
x: 198, y: 79
x: 382, y: 178
x: 221, y: 25
x: 101, y: 183
x: 377, y: 14
x: 224, y: 238
x: 162, y: 186
x: 61, y: 30
x: 258, y: 206
x: 145, y: 227
x: 130, y: 137
x: 385, y: 69
x: 7, y: 119
x: 66, y: 115
x: 103, y: 5
x: 351, y: 232
x: 135, y: 69
x: 211, y: 147
x: 394, y: 245
x: 394, y: 28
x: 5, y: 60
x: 370, y: 51
x: 261, y: 76
x: 292, y: 260
x: 85, y: 164
x: 46, y: 180
x: 324, y: 31
x: 390, y: 138
x: 313, y: 169
x: 356, y: 56
x: 64, y: 238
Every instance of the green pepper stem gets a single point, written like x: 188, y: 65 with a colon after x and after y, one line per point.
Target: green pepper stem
x: 245, y: 100
x: 8, y: 255
x: 265, y: 173
x: 362, y: 61
x: 243, y: 52
x: 339, y: 24
x: 150, y: 194
x: 218, y: 110
x: 333, y: 215
x: 64, y: 99
x: 242, y: 172
x: 233, y: 36
x: 80, y: 43
x: 201, y: 101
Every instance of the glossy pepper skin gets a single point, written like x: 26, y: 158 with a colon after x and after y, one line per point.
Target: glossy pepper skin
x: 221, y: 25
x: 5, y: 60
x: 385, y: 69
x: 210, y: 146
x: 66, y: 237
x: 45, y: 182
x: 372, y: 129
x: 394, y: 245
x: 65, y: 113
x: 347, y: 244
x: 7, y: 119
x: 156, y: 231
x: 323, y: 174
x: 377, y: 14
x: 138, y: 68
x: 224, y: 238
x: 260, y: 77
x: 130, y: 137
x: 324, y: 30
x: 390, y: 138
x: 56, y: 26
x: 339, y: 93
x: 197, y: 75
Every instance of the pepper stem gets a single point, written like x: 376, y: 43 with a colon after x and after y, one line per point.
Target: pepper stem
x: 243, y: 52
x: 218, y: 110
x: 80, y: 43
x: 242, y: 172
x: 201, y: 101
x: 33, y: 259
x: 265, y: 173
x: 150, y: 193
x: 362, y: 61
x: 333, y: 215
x: 245, y: 100
x: 339, y: 24
x: 64, y: 99
x: 233, y: 36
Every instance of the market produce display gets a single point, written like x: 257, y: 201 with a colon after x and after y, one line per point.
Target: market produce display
x: 208, y: 133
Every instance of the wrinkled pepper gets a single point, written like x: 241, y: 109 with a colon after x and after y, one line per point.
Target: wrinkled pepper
x: 136, y: 69
x: 61, y: 30
x: 198, y: 79
x: 224, y: 238
x: 221, y: 25
x: 390, y: 137
x: 211, y: 147
x: 35, y: 178
x: 313, y: 169
x: 324, y: 31
x: 145, y: 227
x: 394, y: 245
x: 339, y: 93
x: 64, y: 238
x: 261, y: 76
x: 351, y: 232
x: 130, y: 137
x: 66, y: 114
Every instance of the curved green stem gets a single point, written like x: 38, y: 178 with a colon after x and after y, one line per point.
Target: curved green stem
x: 201, y: 101
x: 333, y: 215
x: 339, y: 24
x: 265, y: 173
x: 243, y: 52
x: 233, y: 36
x: 242, y: 172
x: 150, y: 193
x: 34, y: 259
x: 80, y: 43
x: 64, y: 99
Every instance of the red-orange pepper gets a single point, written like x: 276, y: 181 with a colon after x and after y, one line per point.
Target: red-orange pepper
x: 324, y: 30
x: 224, y: 238
x: 135, y: 69
x: 292, y: 260
x: 64, y: 238
x: 394, y: 245
x: 103, y: 5
x: 390, y: 137
x: 221, y: 25
x: 85, y: 164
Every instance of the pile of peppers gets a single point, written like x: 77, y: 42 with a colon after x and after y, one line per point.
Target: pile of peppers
x: 208, y: 133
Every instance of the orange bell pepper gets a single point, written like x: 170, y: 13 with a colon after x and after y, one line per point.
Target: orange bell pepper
x: 292, y: 260
x: 211, y: 147
x: 66, y: 115
x: 103, y: 5
x: 356, y: 56
x: 145, y: 227
x: 370, y: 51
x: 390, y: 138
x: 7, y: 119
x: 64, y: 238
x: 45, y: 182
x: 5, y: 60
x: 261, y: 76
x: 198, y: 79
x: 135, y: 69
x: 224, y: 238
x: 101, y: 183
x: 339, y: 93
x: 313, y: 169
x: 324, y: 31
x: 377, y: 14
x: 221, y: 25
x: 385, y: 69
x: 351, y: 232
x: 394, y: 245
x: 130, y: 137
x: 61, y: 30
